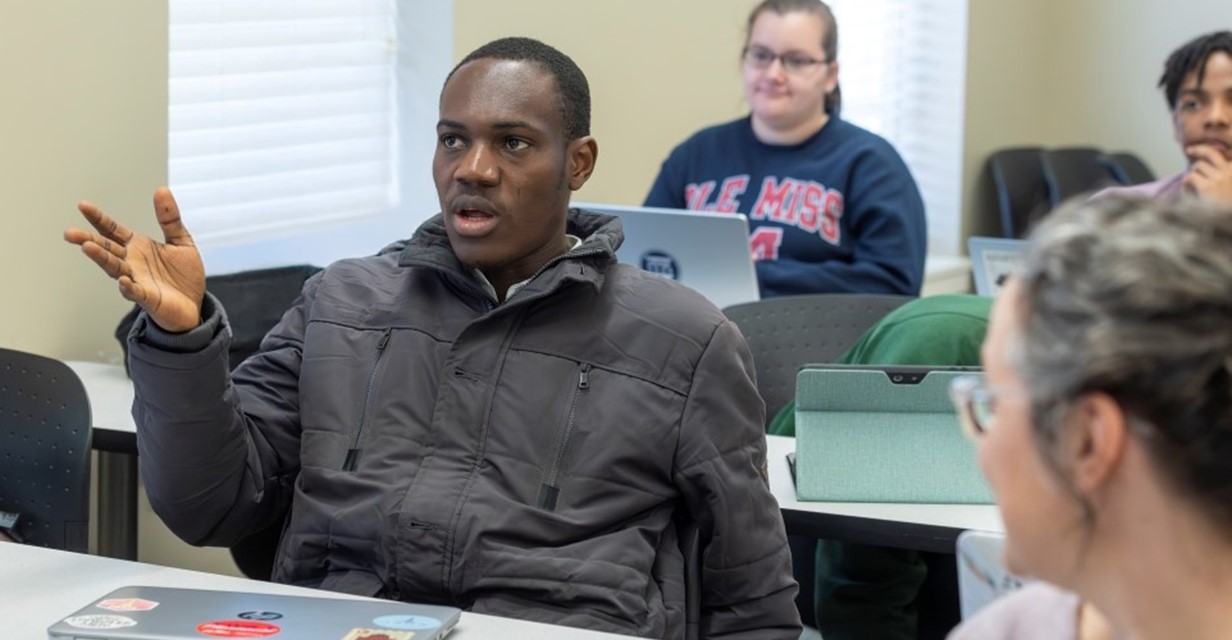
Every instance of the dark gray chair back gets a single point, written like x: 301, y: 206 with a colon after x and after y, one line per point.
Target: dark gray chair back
x: 1075, y: 170
x: 786, y: 333
x: 1018, y: 180
x: 45, y: 450
x: 1128, y: 168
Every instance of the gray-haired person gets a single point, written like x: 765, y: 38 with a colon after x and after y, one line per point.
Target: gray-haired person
x: 1104, y: 424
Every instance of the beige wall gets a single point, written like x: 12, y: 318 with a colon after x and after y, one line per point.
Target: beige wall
x: 1064, y: 72
x: 1113, y: 53
x: 83, y: 115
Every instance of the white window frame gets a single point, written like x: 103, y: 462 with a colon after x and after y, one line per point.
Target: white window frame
x: 904, y: 41
x: 424, y: 32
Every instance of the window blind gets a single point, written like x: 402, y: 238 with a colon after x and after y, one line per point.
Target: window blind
x: 902, y: 68
x: 281, y: 114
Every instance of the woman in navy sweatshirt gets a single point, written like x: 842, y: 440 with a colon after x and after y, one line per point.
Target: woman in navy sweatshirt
x: 831, y: 207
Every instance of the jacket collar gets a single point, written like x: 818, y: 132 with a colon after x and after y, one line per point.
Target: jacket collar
x: 601, y: 235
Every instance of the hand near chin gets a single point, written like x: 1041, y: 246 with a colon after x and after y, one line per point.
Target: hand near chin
x: 166, y: 278
x: 1210, y: 174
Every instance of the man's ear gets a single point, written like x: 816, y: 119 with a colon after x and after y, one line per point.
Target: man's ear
x: 583, y: 153
x: 1094, y: 445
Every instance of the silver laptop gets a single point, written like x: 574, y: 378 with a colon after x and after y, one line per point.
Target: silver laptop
x: 992, y: 260
x: 166, y: 613
x: 707, y: 252
x: 982, y: 576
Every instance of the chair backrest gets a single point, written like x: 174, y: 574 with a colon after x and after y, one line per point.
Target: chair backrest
x: 1128, y: 168
x: 1022, y: 195
x: 254, y: 300
x: 789, y: 332
x: 45, y: 450
x: 1074, y: 170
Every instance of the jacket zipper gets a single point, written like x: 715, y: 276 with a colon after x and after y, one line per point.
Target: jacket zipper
x: 353, y: 454
x: 550, y: 489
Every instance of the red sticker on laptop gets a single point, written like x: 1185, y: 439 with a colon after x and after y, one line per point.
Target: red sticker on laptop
x: 378, y: 634
x: 127, y: 604
x: 238, y: 629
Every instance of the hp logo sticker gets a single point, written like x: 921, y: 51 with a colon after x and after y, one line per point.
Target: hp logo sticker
x: 661, y: 264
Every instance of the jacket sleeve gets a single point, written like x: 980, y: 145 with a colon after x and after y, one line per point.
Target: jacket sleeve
x: 747, y: 590
x: 219, y: 451
x: 884, y: 216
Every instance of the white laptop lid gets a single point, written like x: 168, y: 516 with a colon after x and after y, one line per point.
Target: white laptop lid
x: 982, y: 576
x: 707, y: 252
x: 166, y: 613
x: 992, y: 260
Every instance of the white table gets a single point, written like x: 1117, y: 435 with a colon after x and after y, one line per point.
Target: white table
x: 923, y: 527
x: 44, y: 585
x: 115, y: 438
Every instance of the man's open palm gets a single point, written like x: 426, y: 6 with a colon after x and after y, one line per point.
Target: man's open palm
x: 167, y: 278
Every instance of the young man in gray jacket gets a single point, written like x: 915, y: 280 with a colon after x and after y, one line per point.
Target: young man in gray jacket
x: 493, y: 414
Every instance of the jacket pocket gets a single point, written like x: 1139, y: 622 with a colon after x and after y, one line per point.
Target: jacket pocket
x: 549, y: 489
x: 351, y: 462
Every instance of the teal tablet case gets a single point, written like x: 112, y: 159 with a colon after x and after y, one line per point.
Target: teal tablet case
x: 862, y: 438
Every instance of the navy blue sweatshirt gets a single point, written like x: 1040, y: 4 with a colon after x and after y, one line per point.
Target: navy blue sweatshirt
x: 838, y: 212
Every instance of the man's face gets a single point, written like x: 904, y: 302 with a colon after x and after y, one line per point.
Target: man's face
x: 504, y: 167
x: 1202, y: 114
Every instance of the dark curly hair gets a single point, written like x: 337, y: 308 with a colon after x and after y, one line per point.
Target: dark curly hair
x: 571, y: 86
x: 1189, y: 58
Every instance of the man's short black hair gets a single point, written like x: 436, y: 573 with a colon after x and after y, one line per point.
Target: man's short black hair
x: 571, y: 85
x: 1192, y: 57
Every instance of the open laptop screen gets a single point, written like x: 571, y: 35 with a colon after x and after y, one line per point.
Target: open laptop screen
x: 992, y: 260
x: 707, y: 252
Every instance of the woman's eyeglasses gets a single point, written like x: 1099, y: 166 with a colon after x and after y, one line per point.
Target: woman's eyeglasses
x: 761, y: 58
x: 975, y: 403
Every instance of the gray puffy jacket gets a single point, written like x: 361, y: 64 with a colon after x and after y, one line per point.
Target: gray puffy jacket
x: 531, y: 459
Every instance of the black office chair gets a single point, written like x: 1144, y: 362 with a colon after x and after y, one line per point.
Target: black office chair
x: 1018, y: 181
x: 254, y: 301
x: 1075, y: 170
x: 1127, y: 168
x: 44, y: 451
x: 789, y: 332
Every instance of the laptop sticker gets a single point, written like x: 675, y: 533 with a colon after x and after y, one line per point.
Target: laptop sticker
x: 661, y: 263
x: 127, y: 604
x: 407, y: 623
x: 101, y: 621
x: 238, y: 629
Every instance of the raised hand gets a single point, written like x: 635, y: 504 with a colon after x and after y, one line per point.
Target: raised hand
x: 167, y: 278
x: 1210, y: 174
